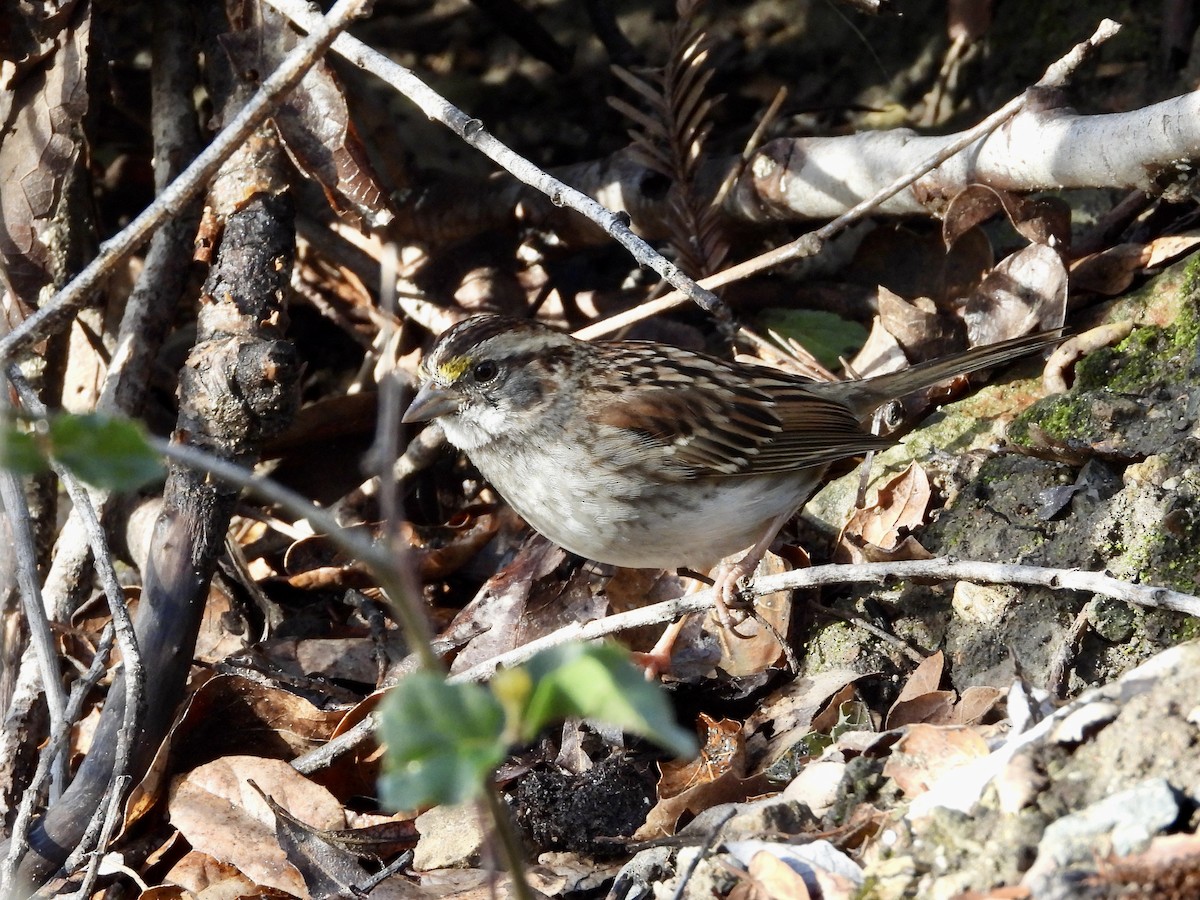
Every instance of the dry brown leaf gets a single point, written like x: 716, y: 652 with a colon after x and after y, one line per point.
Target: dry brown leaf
x: 1109, y: 272
x: 715, y: 776
x: 901, y: 505
x: 788, y: 714
x: 925, y: 677
x: 1025, y: 292
x: 773, y: 879
x: 222, y: 815
x: 201, y: 874
x: 1168, y: 248
x: 874, y: 532
x: 231, y: 714
x: 43, y: 104
x: 758, y: 648
x: 1040, y: 220
x: 824, y: 721
x: 525, y: 600
x: 314, y: 124
x: 926, y: 752
x: 880, y: 354
x: 341, y: 658
x: 854, y: 549
x: 976, y: 703
x: 934, y: 708
x: 224, y: 631
x: 918, y: 327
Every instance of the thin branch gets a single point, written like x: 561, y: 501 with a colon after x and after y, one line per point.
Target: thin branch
x: 77, y: 292
x: 135, y: 673
x: 473, y: 133
x: 938, y: 569
x: 12, y: 501
x: 107, y: 815
x: 870, y: 628
x: 34, y: 791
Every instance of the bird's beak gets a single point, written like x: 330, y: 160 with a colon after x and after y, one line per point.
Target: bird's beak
x: 432, y: 400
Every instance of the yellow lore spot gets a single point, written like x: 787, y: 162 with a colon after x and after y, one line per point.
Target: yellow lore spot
x: 454, y: 369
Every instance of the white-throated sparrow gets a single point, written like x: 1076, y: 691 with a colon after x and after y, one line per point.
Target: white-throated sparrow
x: 645, y: 455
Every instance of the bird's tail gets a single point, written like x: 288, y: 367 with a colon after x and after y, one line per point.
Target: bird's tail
x: 868, y: 394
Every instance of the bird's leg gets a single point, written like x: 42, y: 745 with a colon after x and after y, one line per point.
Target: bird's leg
x: 725, y: 583
x: 658, y: 661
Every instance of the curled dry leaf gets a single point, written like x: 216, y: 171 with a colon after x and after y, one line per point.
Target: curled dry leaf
x: 1111, y: 271
x: 44, y: 101
x: 875, y: 532
x: 918, y: 327
x: 1025, y: 292
x: 716, y: 775
x: 1041, y: 220
x: 314, y: 124
x: 1076, y: 347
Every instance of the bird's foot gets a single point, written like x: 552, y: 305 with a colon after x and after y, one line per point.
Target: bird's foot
x: 658, y: 661
x: 728, y: 590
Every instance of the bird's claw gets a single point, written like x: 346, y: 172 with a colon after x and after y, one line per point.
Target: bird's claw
x: 729, y: 596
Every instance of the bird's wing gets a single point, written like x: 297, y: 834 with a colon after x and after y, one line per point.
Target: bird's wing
x: 703, y: 417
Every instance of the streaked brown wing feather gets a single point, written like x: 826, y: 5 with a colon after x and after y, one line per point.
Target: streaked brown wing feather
x: 757, y: 421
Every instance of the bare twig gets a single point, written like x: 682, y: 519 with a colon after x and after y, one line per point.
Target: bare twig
x: 12, y: 500
x: 104, y: 824
x: 1060, y: 662
x: 941, y: 568
x: 57, y: 744
x: 859, y: 622
x: 135, y: 675
x: 473, y: 132
x: 710, y: 841
x: 63, y: 304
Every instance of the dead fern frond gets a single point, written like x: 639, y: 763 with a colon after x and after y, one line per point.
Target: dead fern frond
x: 669, y: 135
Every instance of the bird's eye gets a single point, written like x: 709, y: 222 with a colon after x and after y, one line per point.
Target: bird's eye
x: 485, y: 371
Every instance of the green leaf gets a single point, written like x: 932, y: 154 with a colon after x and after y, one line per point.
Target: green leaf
x: 823, y: 334
x: 104, y: 451
x: 19, y: 452
x: 442, y: 740
x: 597, y: 681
